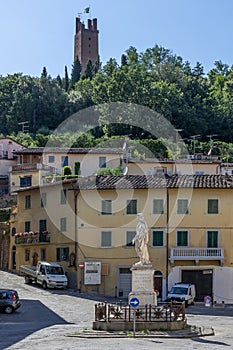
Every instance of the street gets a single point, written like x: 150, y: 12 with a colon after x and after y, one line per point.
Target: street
x: 48, y: 318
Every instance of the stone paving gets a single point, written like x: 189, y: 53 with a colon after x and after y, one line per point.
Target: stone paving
x: 53, y: 319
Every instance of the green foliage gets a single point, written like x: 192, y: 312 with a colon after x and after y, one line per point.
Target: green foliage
x: 67, y: 170
x: 191, y: 100
x: 77, y: 168
x: 76, y: 72
x: 117, y: 171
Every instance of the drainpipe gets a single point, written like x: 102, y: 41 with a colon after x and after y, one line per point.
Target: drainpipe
x: 167, y: 237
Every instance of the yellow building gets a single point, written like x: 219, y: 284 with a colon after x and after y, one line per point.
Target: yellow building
x: 189, y: 220
x: 35, y: 164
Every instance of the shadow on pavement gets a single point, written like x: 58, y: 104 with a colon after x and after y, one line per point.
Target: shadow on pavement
x: 31, y: 317
x: 210, y: 342
x: 201, y: 309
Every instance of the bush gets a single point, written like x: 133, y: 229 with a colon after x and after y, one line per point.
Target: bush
x: 67, y: 170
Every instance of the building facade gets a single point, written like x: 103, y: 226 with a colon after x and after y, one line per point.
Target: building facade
x: 92, y: 222
x: 38, y: 165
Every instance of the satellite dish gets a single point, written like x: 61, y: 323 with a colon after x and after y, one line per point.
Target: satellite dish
x: 125, y: 171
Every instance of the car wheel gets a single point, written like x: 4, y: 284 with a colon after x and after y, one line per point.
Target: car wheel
x: 8, y: 309
x: 44, y: 285
x: 28, y: 280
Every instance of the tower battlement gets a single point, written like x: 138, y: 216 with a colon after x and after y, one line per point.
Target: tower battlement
x: 86, y: 46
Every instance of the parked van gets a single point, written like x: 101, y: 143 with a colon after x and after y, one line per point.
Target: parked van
x: 48, y: 274
x: 183, y: 292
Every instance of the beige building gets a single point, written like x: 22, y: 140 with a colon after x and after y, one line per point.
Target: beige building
x: 36, y: 165
x: 160, y: 167
x: 189, y: 220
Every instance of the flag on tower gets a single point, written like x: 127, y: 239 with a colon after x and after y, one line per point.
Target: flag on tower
x: 87, y: 10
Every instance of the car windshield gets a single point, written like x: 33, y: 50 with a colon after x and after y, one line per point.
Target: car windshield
x: 54, y: 270
x: 179, y: 290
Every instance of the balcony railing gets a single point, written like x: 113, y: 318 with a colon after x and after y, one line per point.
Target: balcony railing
x: 32, y: 239
x: 32, y: 166
x: 25, y: 166
x: 196, y: 254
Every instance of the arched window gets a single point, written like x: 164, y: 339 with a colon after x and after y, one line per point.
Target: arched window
x: 13, y: 231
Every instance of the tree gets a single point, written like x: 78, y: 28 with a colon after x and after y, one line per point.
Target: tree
x: 76, y: 72
x: 89, y: 71
x: 66, y: 80
x: 44, y: 73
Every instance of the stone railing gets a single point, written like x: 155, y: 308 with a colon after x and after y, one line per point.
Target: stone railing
x: 196, y: 254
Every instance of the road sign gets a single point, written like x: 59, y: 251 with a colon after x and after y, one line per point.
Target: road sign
x: 134, y: 302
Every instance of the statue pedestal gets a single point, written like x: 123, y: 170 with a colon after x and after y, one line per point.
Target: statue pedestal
x: 143, y: 284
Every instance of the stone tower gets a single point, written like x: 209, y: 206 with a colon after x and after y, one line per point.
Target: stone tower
x: 86, y: 42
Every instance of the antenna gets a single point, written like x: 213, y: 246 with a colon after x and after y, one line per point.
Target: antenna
x: 125, y: 156
x: 25, y: 127
x: 211, y: 143
x: 125, y: 171
x: 177, y: 134
x: 194, y: 139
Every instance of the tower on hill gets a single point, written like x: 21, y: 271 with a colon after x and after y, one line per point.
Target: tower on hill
x: 86, y: 42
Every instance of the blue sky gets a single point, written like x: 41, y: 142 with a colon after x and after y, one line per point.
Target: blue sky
x: 37, y: 33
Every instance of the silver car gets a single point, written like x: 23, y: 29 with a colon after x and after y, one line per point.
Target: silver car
x: 9, y: 300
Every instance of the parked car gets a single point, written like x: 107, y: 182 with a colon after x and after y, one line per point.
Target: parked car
x: 183, y: 292
x: 9, y: 300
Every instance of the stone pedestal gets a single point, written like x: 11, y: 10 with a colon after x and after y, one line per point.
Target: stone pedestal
x: 143, y: 284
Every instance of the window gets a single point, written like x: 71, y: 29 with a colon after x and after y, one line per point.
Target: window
x: 63, y: 254
x: 212, y: 206
x: 51, y: 159
x: 131, y: 206
x: 27, y: 202
x: 26, y: 181
x: 42, y: 226
x: 63, y: 224
x: 182, y: 206
x: 157, y: 238
x: 64, y: 161
x: 212, y: 239
x: 43, y: 254
x: 129, y: 237
x: 63, y: 197
x: 106, y: 207
x: 27, y: 255
x: 27, y: 226
x: 13, y: 231
x: 43, y: 202
x: 102, y: 162
x: 182, y: 239
x: 106, y: 239
x: 158, y: 206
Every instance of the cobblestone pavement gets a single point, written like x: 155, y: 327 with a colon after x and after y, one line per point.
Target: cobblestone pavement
x: 48, y: 318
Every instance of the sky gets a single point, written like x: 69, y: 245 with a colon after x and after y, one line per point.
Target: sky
x: 38, y: 33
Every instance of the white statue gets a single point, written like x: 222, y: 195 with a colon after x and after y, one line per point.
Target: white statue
x: 141, y: 240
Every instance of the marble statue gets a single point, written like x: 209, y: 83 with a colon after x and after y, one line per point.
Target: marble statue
x: 141, y: 240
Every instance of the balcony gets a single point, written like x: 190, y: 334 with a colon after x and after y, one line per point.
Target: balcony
x: 31, y: 239
x: 30, y: 167
x: 196, y: 254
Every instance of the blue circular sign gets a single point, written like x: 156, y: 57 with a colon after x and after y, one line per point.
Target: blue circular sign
x: 134, y: 302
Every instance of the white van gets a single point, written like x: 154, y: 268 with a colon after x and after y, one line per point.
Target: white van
x: 182, y: 292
